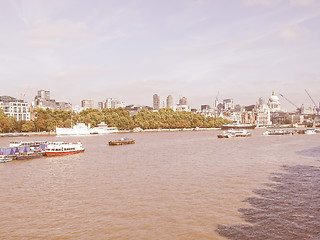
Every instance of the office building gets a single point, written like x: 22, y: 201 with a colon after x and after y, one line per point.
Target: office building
x: 169, y: 102
x: 183, y: 101
x: 156, y: 102
x: 43, y: 100
x: 87, y: 104
x: 111, y: 103
x: 15, y: 108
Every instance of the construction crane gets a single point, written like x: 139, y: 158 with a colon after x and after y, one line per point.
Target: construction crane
x: 317, y: 108
x: 22, y: 97
x: 298, y: 108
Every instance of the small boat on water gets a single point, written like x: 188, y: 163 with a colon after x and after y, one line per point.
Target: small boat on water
x: 62, y: 148
x: 29, y: 155
x: 122, y: 141
x: 234, y: 133
x: 305, y: 131
x: 226, y: 134
x: 4, y: 158
x: 310, y: 131
x: 300, y: 131
x: 277, y: 132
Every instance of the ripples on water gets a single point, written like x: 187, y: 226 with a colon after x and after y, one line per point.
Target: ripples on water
x: 289, y: 210
x: 178, y: 185
x: 311, y: 152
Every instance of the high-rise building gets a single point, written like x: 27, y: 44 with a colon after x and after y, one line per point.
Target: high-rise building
x: 43, y: 94
x: 111, y: 103
x: 156, y: 102
x: 183, y: 101
x: 87, y: 104
x: 228, y: 104
x: 42, y: 100
x: 205, y: 107
x: 169, y: 102
x: 216, y: 102
x: 15, y: 108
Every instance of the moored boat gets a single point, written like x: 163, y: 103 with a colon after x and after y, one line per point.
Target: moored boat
x: 225, y: 134
x: 83, y: 129
x: 122, y: 141
x: 277, y: 132
x: 234, y: 133
x: 4, y: 158
x: 305, y: 131
x: 29, y: 155
x: 241, y: 133
x: 27, y: 144
x: 62, y: 148
x: 310, y: 131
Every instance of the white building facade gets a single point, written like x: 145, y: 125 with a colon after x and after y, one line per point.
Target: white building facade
x: 15, y: 108
x: 274, y: 103
x: 111, y: 103
x: 263, y: 115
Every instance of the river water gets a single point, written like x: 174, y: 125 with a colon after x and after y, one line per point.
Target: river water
x: 169, y: 185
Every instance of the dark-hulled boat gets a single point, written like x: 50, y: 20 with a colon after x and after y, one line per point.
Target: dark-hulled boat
x: 29, y: 155
x: 122, y: 141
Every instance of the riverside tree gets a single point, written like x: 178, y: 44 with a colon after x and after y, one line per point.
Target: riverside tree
x: 165, y: 118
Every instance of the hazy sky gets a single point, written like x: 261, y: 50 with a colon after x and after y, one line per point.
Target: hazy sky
x: 81, y: 49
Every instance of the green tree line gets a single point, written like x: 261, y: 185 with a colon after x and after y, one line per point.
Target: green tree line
x: 48, y: 120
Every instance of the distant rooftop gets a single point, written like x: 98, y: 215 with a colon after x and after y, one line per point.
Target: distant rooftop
x: 9, y: 99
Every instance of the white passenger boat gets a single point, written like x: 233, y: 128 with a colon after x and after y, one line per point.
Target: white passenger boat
x: 310, y: 131
x: 103, y: 128
x: 241, y: 133
x: 226, y: 134
x: 4, y: 159
x: 27, y: 144
x: 83, y: 129
x: 62, y: 148
x: 234, y: 133
x: 277, y: 132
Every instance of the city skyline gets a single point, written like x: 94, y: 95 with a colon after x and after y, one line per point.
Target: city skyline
x: 131, y: 50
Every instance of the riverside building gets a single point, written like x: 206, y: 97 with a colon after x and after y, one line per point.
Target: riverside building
x: 262, y: 112
x: 15, y: 108
x: 156, y: 102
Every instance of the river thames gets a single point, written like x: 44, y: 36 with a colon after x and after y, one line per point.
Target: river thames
x: 169, y: 185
